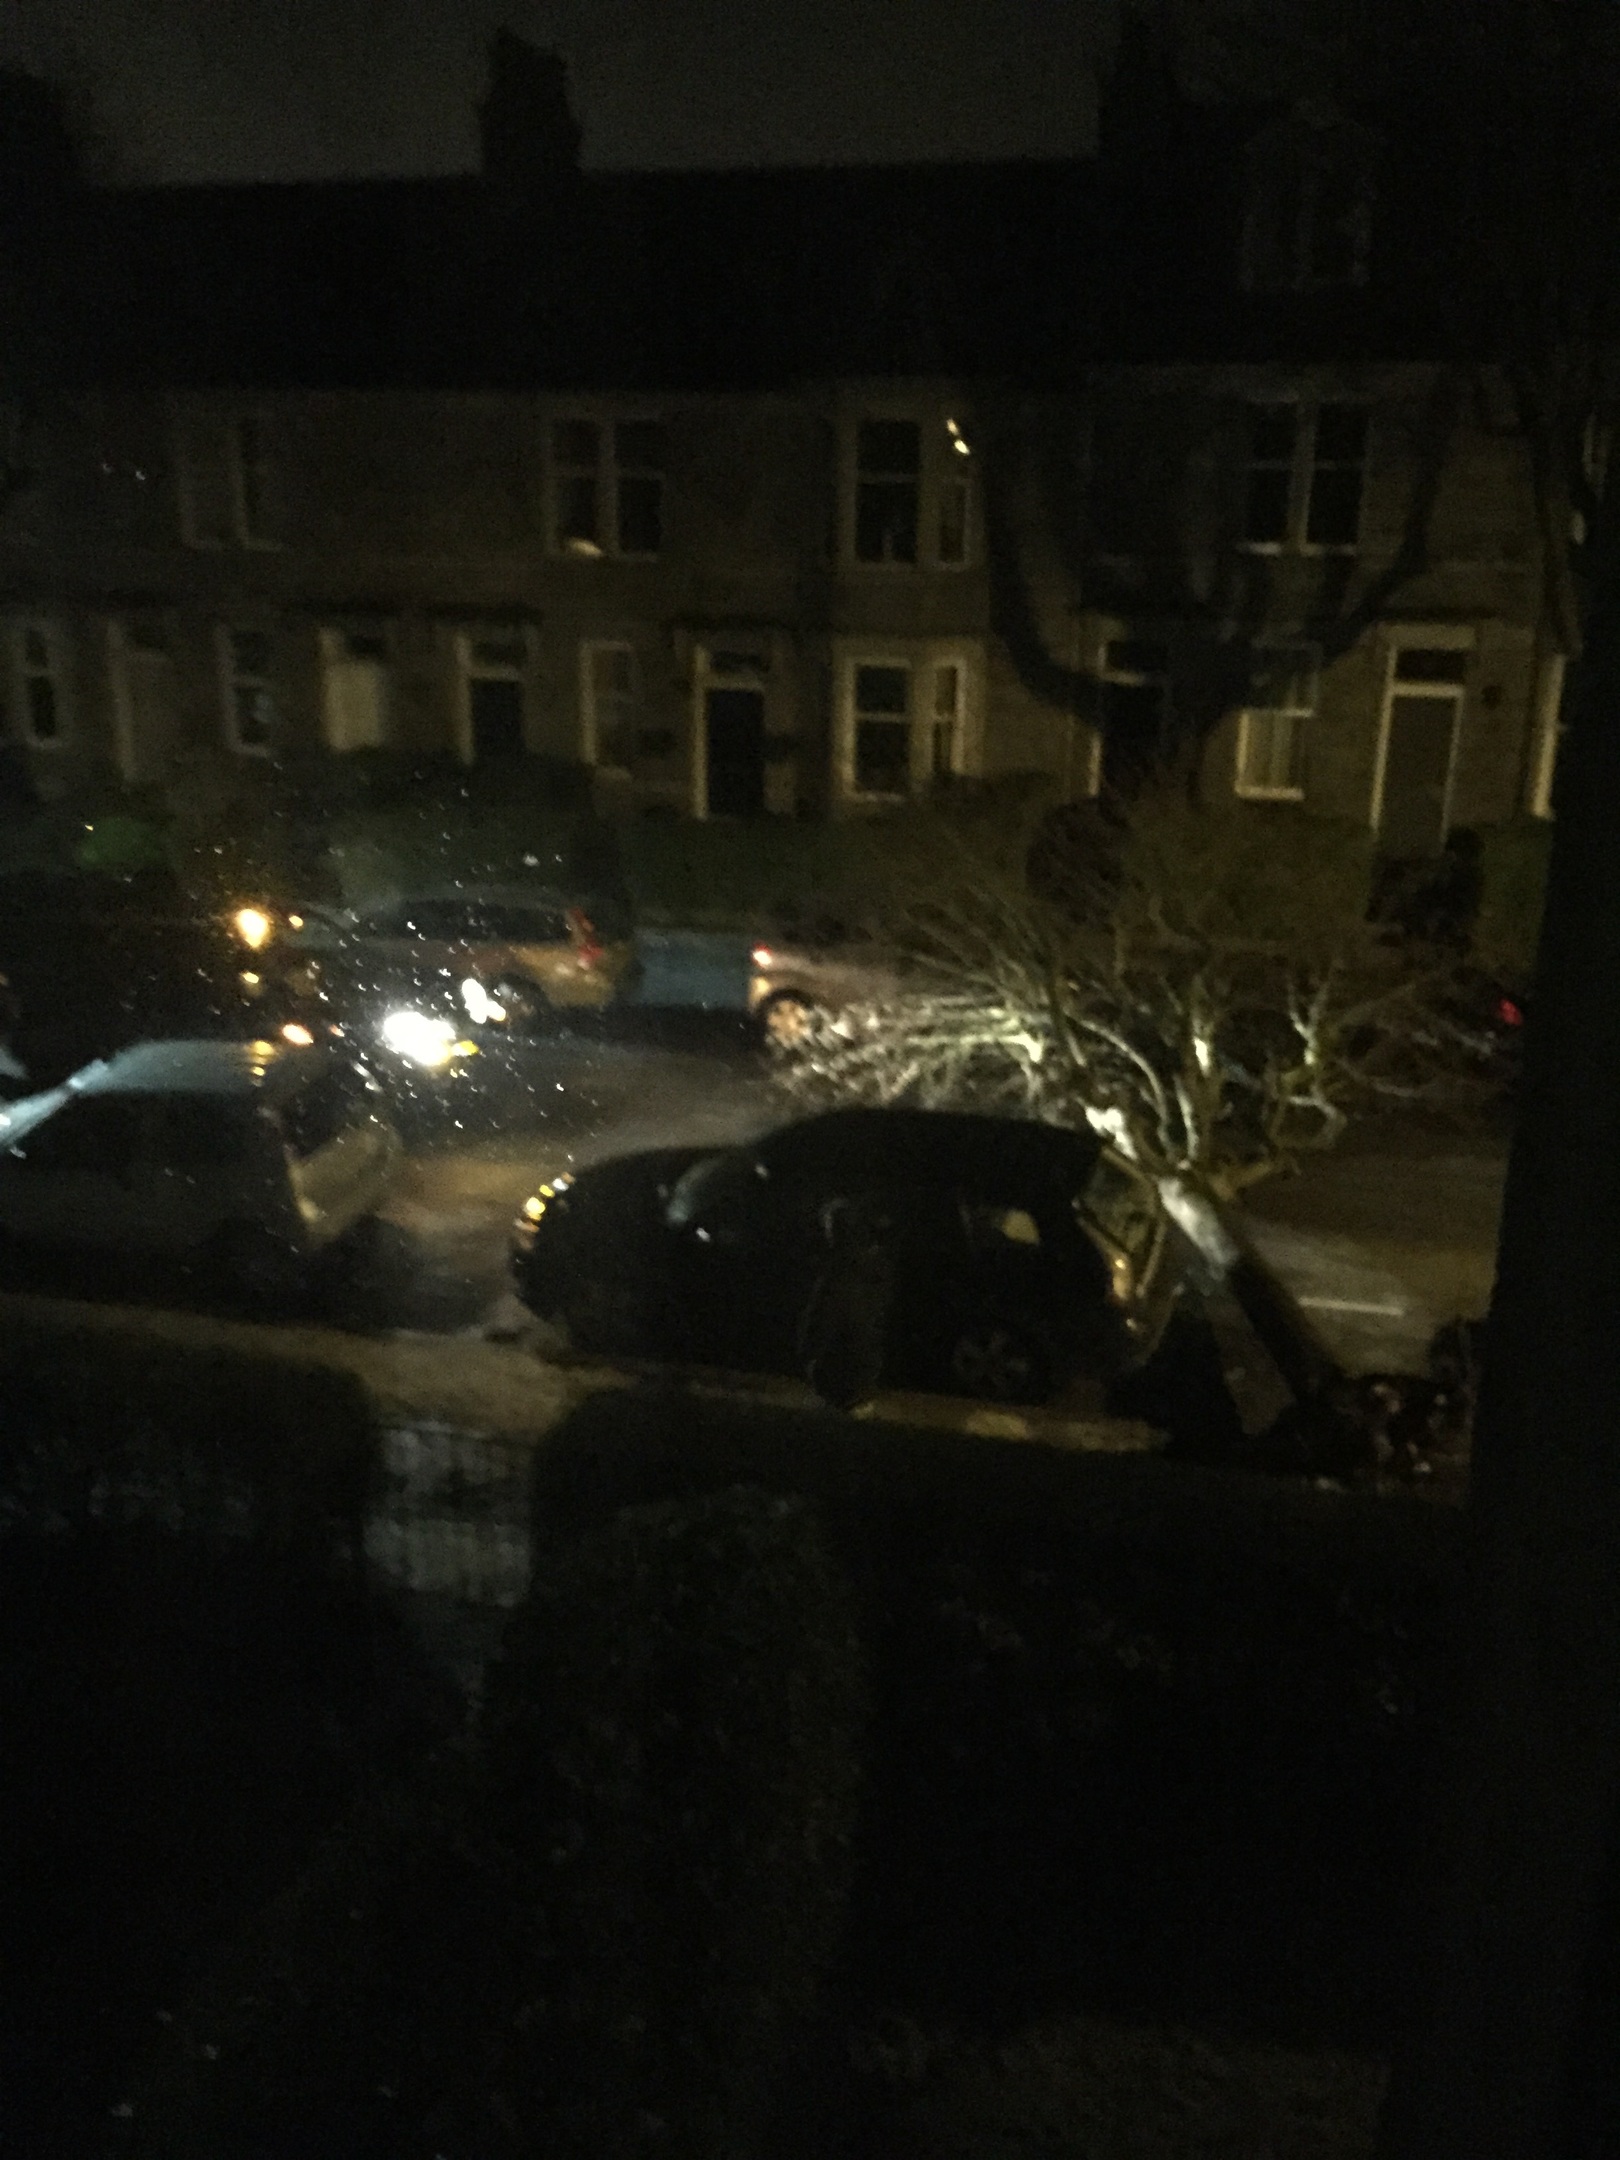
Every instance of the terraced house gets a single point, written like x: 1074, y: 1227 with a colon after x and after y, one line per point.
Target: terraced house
x: 780, y: 493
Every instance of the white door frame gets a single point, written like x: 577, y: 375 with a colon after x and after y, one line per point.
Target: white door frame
x: 1449, y: 637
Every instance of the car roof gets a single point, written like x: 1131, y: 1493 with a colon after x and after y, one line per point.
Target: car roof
x: 201, y: 1066
x: 901, y: 1144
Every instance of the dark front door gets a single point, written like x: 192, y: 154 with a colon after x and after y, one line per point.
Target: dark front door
x: 734, y: 727
x: 1133, y: 734
x: 1417, y: 770
x: 496, y: 710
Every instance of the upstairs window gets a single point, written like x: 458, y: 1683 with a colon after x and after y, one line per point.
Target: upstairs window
x: 1305, y: 477
x: 913, y: 493
x: 888, y: 490
x: 607, y: 480
x: 1310, y: 192
x: 228, y: 481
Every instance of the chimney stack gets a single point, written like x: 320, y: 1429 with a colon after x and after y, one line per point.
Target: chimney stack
x: 529, y: 135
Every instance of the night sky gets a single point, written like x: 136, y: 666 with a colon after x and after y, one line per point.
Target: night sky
x: 286, y: 89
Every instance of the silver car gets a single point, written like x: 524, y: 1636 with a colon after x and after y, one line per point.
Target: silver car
x: 249, y: 1157
x: 797, y: 983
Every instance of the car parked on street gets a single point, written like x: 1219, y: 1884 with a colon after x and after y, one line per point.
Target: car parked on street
x: 1022, y: 1258
x: 247, y: 1158
x: 524, y: 953
x: 808, y: 976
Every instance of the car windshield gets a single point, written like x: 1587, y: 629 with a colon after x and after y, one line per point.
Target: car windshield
x: 710, y: 1184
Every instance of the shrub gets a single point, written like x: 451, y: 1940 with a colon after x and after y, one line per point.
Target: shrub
x: 599, y: 1936
x: 671, y: 1737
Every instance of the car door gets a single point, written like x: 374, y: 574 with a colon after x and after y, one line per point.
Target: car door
x: 201, y: 1167
x: 341, y: 1150
x: 72, y: 1180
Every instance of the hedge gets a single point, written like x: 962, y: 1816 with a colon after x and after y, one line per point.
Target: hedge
x: 99, y: 1426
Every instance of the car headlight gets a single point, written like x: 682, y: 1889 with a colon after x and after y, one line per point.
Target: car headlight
x: 482, y: 1009
x: 253, y: 926
x: 420, y: 1037
x: 537, y: 1203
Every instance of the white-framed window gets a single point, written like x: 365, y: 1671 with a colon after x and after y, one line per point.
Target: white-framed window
x: 356, y: 687
x: 1272, y: 725
x: 1548, y: 737
x: 1311, y: 191
x: 607, y: 486
x: 1133, y: 712
x: 1305, y: 476
x: 610, y: 703
x: 227, y: 479
x: 495, y: 663
x: 248, y: 691
x: 911, y: 493
x: 39, y: 699
x: 949, y: 711
x: 905, y: 718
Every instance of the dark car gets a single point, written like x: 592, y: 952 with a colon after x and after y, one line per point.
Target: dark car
x: 1019, y: 1258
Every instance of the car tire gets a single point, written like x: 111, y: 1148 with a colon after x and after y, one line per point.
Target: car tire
x: 993, y: 1359
x: 256, y: 1268
x: 786, y: 1020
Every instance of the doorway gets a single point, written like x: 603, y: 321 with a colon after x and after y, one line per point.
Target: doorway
x: 1421, y: 719
x: 495, y: 716
x: 145, y: 706
x: 734, y: 744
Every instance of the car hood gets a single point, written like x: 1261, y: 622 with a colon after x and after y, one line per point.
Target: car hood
x: 628, y: 1192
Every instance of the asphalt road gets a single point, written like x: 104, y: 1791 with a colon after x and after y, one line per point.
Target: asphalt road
x: 1381, y: 1242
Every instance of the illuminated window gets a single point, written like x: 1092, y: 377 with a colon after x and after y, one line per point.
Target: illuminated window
x: 1305, y: 476
x: 607, y: 487
x: 249, y: 691
x: 39, y: 683
x: 611, y: 700
x: 1271, y: 727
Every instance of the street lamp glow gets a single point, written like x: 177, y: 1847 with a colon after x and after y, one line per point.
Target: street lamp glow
x: 253, y: 927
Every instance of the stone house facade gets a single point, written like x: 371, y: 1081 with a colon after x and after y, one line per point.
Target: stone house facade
x: 786, y: 494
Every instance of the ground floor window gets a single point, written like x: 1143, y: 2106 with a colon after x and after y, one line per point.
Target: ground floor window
x: 356, y: 683
x: 247, y: 673
x: 610, y: 697
x: 904, y: 722
x: 1272, y: 725
x: 37, y: 693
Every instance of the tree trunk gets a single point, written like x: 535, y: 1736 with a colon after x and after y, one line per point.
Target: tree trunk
x: 1528, y: 1773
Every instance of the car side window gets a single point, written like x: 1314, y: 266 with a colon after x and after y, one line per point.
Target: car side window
x: 195, y: 1132
x: 992, y: 1226
x: 101, y: 1136
x: 1121, y: 1203
x: 315, y: 1115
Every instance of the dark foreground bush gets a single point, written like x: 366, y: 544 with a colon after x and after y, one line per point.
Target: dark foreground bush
x: 599, y: 1934
x: 102, y: 1426
x: 180, y: 1723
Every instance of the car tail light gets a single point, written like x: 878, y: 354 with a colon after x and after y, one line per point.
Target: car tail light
x: 588, y: 948
x: 1509, y: 1013
x: 762, y: 956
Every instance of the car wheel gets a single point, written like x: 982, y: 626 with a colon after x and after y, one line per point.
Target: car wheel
x: 525, y: 1006
x: 256, y: 1267
x: 995, y: 1360
x: 787, y: 1020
